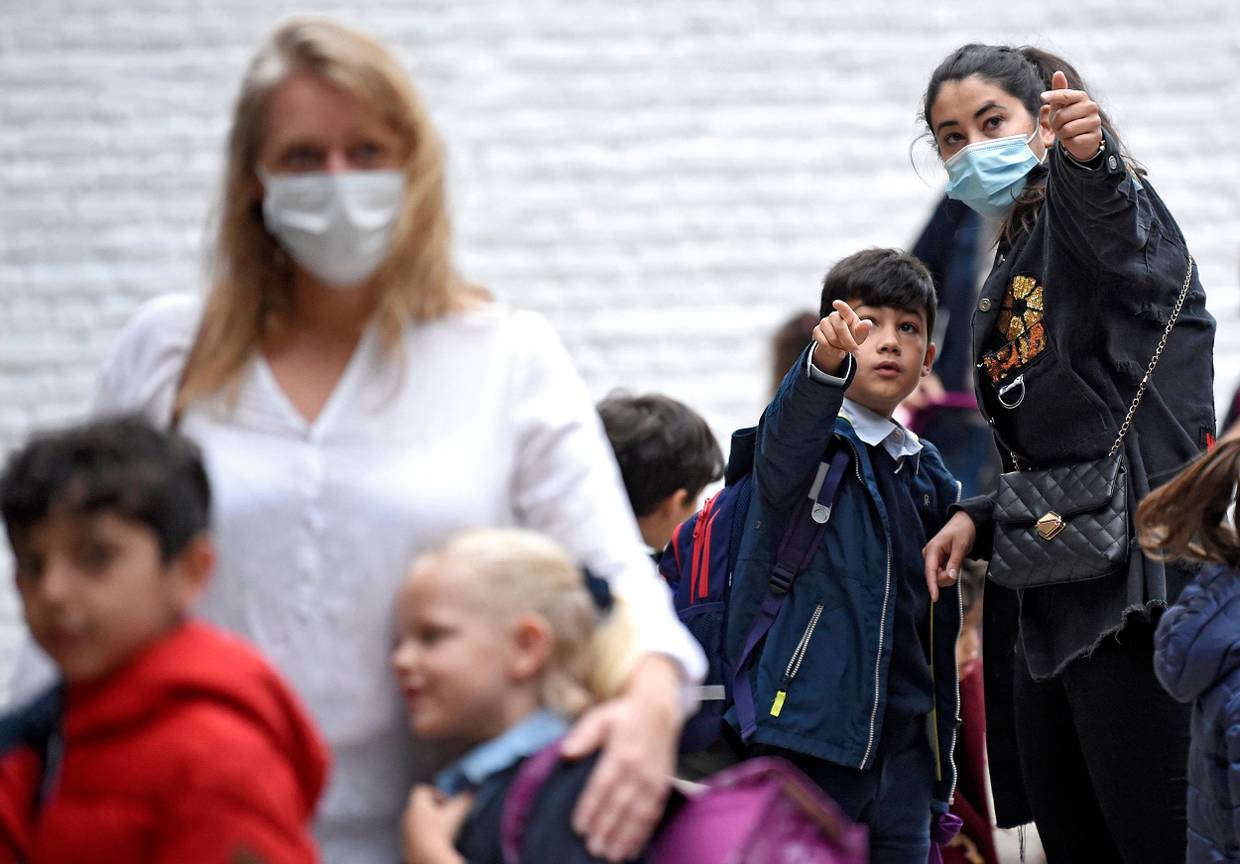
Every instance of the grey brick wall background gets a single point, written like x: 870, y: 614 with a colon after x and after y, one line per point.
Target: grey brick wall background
x: 665, y: 180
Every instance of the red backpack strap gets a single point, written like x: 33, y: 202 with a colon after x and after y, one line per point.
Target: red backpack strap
x: 519, y: 799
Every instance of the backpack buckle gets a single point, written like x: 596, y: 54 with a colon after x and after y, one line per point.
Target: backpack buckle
x: 781, y: 579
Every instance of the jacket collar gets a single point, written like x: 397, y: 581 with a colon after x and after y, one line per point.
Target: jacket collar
x: 874, y: 429
x: 527, y: 737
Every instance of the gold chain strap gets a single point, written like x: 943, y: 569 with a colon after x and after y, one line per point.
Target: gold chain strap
x: 1162, y: 343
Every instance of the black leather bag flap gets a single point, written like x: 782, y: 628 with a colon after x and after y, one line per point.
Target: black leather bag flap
x: 1024, y: 497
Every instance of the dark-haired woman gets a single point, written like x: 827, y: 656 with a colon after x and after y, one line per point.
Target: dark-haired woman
x: 1088, y: 268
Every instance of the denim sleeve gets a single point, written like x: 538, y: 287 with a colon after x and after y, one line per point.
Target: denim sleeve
x: 1099, y: 211
x: 981, y: 509
x: 796, y: 428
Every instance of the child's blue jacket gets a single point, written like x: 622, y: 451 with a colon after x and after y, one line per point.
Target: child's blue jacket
x: 829, y: 648
x: 1197, y: 658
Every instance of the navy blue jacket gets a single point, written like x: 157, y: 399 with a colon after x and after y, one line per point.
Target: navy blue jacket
x: 829, y: 648
x: 1197, y: 658
x: 547, y: 834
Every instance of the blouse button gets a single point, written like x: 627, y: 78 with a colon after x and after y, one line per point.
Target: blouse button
x: 984, y: 305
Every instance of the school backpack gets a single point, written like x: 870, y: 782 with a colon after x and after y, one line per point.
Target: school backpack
x: 700, y: 561
x: 760, y: 811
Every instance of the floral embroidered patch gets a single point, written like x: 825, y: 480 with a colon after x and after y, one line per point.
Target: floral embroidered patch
x: 1022, y: 307
x: 1020, y: 322
x: 1012, y: 356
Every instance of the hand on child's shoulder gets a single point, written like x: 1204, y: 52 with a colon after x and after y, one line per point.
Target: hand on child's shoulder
x: 839, y: 334
x: 430, y: 825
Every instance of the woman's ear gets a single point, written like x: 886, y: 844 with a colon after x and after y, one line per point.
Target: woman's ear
x: 1045, y: 134
x: 529, y: 647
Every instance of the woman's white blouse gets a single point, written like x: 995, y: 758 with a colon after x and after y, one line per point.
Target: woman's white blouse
x: 479, y: 419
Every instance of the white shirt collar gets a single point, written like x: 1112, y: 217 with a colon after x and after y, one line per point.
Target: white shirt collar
x: 874, y: 429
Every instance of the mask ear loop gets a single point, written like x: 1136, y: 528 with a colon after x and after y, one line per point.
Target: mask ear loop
x: 1046, y: 151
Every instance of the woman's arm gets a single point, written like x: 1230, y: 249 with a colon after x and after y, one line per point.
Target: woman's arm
x: 628, y: 789
x: 430, y: 825
x: 567, y: 485
x: 147, y: 363
x: 1097, y: 206
x: 946, y: 551
x: 799, y: 423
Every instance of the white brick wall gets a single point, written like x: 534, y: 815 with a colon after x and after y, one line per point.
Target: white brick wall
x: 666, y: 180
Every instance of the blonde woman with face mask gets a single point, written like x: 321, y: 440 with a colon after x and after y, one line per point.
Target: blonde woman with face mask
x: 356, y: 403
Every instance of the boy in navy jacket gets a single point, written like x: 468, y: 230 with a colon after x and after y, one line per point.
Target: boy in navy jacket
x: 856, y: 681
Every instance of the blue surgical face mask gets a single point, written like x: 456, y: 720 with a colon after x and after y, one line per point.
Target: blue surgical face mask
x: 989, y: 175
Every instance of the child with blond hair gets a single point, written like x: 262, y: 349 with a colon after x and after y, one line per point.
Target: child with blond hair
x: 501, y: 641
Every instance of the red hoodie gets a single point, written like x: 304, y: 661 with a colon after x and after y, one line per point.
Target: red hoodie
x: 194, y: 751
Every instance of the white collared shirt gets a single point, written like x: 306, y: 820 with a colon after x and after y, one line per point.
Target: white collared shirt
x: 874, y: 429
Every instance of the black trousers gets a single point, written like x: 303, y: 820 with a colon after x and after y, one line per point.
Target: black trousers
x: 1104, y: 755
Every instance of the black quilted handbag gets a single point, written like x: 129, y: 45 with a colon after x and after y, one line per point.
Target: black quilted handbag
x: 1069, y: 523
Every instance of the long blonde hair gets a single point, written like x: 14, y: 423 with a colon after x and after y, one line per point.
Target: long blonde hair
x: 251, y: 277
x: 509, y: 572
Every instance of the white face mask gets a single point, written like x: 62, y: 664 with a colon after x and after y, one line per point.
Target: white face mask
x: 337, y: 225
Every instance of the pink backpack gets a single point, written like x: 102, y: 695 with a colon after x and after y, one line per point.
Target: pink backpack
x: 760, y: 811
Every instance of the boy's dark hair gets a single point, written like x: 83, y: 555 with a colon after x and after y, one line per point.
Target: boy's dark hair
x: 122, y: 465
x: 662, y: 445
x: 882, y: 277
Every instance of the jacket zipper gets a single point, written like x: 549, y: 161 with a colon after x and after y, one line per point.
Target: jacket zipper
x: 882, y: 625
x: 794, y: 662
x: 878, y: 659
x: 951, y: 748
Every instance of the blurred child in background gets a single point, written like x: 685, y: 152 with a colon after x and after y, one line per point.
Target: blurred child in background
x: 501, y: 642
x: 166, y: 740
x: 1197, y: 644
x: 788, y: 343
x: 975, y: 844
x: 667, y: 456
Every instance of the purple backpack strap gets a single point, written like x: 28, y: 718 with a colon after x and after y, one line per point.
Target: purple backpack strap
x: 797, y: 549
x: 520, y: 797
x: 943, y: 829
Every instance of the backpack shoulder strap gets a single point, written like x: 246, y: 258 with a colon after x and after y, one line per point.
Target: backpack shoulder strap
x: 519, y: 800
x: 796, y: 549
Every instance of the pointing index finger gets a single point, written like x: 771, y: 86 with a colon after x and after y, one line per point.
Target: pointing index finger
x: 855, y: 329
